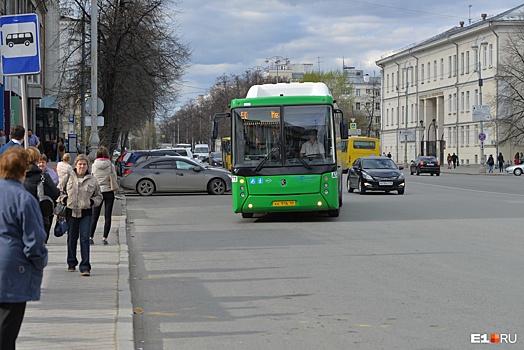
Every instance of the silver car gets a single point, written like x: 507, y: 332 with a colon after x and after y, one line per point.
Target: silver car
x: 515, y: 169
x: 175, y: 174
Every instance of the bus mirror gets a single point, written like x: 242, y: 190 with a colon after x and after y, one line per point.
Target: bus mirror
x: 344, y: 126
x: 214, y: 124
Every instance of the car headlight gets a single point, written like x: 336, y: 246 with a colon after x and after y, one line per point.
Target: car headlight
x: 401, y: 176
x: 367, y: 177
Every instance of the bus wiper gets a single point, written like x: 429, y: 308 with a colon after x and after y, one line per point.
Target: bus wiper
x: 308, y: 167
x: 266, y: 158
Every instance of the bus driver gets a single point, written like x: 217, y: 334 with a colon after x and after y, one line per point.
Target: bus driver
x: 312, y: 147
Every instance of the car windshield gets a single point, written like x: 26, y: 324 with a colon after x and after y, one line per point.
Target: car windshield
x: 428, y: 159
x: 216, y: 155
x: 283, y: 136
x: 378, y: 164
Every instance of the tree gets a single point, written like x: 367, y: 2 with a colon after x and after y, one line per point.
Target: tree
x: 511, y: 89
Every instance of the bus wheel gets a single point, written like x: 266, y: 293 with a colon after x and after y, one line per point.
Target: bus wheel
x: 334, y: 213
x: 247, y: 215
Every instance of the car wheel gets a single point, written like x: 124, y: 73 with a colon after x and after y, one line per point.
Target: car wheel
x: 145, y: 187
x: 350, y: 189
x: 411, y: 172
x: 247, y: 215
x: 400, y: 191
x: 432, y: 174
x: 518, y: 172
x: 361, y: 189
x: 438, y: 174
x: 216, y: 186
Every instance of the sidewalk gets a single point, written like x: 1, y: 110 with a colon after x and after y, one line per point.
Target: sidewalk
x: 77, y: 312
x: 473, y: 169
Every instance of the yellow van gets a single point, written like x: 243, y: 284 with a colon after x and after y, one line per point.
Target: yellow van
x: 359, y: 146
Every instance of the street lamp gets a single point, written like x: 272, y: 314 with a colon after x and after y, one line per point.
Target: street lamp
x: 406, y: 70
x: 276, y: 60
x: 256, y: 70
x: 475, y: 47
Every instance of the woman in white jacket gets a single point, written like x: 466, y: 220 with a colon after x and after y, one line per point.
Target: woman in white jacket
x: 102, y: 170
x: 64, y: 167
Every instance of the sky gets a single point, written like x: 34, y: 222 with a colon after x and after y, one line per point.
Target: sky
x: 232, y: 36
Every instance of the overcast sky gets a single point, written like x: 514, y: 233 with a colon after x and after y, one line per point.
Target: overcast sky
x: 231, y: 36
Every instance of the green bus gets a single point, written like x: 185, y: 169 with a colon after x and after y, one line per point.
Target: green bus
x: 283, y: 149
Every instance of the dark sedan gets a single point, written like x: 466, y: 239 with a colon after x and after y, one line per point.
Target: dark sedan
x: 425, y: 165
x: 375, y: 174
x: 175, y: 174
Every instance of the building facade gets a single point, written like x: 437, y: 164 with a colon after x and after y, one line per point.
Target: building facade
x: 432, y: 92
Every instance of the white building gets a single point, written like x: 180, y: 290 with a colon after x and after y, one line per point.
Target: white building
x: 430, y: 89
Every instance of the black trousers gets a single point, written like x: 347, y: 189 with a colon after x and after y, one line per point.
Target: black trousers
x: 108, y: 201
x: 11, y: 316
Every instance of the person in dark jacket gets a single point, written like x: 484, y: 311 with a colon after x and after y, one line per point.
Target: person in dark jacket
x: 500, y: 160
x: 23, y: 254
x: 17, y: 138
x: 33, y: 176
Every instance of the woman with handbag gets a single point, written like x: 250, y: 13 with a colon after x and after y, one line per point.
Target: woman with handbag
x: 104, y: 171
x: 23, y: 254
x: 33, y: 177
x: 79, y: 192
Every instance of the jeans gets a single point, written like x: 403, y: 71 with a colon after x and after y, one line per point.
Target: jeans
x: 78, y: 228
x: 109, y: 200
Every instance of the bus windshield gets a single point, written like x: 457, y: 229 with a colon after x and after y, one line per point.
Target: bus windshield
x: 283, y: 136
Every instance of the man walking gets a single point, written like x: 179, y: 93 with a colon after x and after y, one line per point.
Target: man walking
x: 17, y: 137
x: 33, y: 139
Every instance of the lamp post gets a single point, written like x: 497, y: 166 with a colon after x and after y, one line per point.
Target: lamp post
x: 406, y: 69
x: 475, y: 48
x: 433, y: 122
x: 276, y: 60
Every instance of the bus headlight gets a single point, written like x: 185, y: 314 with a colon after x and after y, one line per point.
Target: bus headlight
x: 250, y: 205
x: 319, y: 203
x: 241, y: 181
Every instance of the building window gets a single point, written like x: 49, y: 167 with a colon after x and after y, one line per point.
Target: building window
x: 413, y: 120
x: 476, y: 62
x: 368, y: 91
x: 467, y: 62
x: 468, y: 104
x: 455, y: 103
x: 357, y: 106
x: 441, y: 68
x: 367, y: 106
x: 377, y: 106
x: 422, y: 74
x: 462, y: 63
x: 476, y: 97
x: 450, y: 138
x: 450, y: 104
x: 462, y: 102
x: 467, y: 135
x: 454, y: 65
x: 484, y: 56
x: 357, y: 92
x: 435, y: 70
x: 403, y: 115
x: 387, y: 117
x: 461, y: 141
x: 450, y: 67
x: 393, y: 82
x: 387, y: 83
x: 429, y: 72
x: 491, y: 55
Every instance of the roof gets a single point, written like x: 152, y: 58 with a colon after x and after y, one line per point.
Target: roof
x: 288, y: 89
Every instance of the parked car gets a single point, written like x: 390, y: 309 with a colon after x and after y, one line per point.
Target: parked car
x: 141, y: 156
x: 425, y: 165
x: 375, y: 174
x: 515, y: 169
x: 215, y: 159
x: 175, y: 174
x: 120, y: 162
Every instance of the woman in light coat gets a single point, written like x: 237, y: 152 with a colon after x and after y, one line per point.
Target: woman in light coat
x: 103, y: 169
x: 63, y: 167
x: 23, y: 254
x: 79, y: 192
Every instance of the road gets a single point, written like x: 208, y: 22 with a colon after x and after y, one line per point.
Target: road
x: 420, y: 271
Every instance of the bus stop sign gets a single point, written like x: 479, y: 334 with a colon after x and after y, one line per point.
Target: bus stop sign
x: 20, y: 44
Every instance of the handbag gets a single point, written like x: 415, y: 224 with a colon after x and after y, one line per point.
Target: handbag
x: 47, y: 205
x: 61, y: 227
x: 113, y: 181
x: 60, y: 209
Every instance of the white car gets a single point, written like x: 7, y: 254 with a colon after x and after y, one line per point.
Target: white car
x: 515, y: 169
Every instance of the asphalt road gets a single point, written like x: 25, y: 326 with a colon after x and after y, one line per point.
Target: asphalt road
x: 424, y: 270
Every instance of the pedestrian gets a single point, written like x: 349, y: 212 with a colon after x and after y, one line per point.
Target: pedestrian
x: 61, y: 149
x: 17, y: 138
x: 42, y: 164
x: 33, y: 139
x: 450, y: 159
x: 521, y: 158
x: 33, y: 176
x: 491, y: 162
x: 2, y: 138
x: 516, y: 161
x: 500, y: 160
x: 102, y: 170
x: 384, y: 154
x: 23, y: 254
x: 79, y: 192
x: 64, y: 167
x: 389, y: 155
x: 454, y: 159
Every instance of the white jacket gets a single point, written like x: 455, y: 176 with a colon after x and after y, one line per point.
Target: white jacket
x: 62, y: 168
x: 101, y: 169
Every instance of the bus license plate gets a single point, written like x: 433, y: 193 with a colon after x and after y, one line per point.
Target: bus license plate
x: 385, y: 183
x: 284, y: 203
